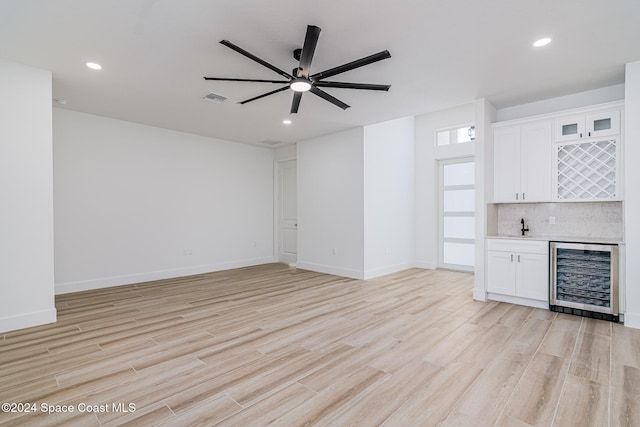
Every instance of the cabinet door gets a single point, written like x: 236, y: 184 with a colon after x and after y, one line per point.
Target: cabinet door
x: 603, y: 124
x: 501, y: 273
x: 506, y: 164
x: 569, y: 128
x: 535, y: 161
x: 532, y: 276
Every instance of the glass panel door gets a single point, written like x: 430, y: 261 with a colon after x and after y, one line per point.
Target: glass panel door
x: 457, y: 214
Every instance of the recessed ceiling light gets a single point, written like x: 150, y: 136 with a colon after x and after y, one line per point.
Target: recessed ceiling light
x: 542, y: 42
x: 94, y: 66
x: 286, y: 121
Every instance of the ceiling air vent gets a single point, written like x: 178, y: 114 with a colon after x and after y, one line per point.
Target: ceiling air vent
x: 214, y: 97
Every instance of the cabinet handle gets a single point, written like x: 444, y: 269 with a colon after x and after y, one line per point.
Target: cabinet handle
x: 516, y: 196
x: 518, y: 258
x: 580, y: 134
x: 589, y: 133
x: 511, y: 257
x: 522, y: 196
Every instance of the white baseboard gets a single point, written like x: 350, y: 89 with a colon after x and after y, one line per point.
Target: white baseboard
x: 632, y: 320
x: 377, y: 272
x: 518, y: 300
x: 479, y: 294
x: 425, y: 265
x: 107, y: 282
x: 328, y: 269
x: 27, y: 320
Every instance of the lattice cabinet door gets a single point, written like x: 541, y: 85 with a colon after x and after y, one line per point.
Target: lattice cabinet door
x: 587, y: 170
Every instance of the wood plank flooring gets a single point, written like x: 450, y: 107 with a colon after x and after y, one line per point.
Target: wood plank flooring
x: 275, y: 345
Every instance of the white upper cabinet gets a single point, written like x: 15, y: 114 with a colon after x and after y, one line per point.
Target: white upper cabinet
x: 586, y: 156
x: 560, y: 157
x: 586, y: 126
x: 522, y: 163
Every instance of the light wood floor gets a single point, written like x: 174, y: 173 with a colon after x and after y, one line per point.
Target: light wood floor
x: 276, y: 345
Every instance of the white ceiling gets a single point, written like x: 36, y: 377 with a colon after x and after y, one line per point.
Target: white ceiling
x: 444, y: 53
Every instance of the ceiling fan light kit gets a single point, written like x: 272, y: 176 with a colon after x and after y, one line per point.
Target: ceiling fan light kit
x: 300, y: 85
x: 300, y: 80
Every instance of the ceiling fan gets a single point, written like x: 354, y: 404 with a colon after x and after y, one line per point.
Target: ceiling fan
x: 301, y: 80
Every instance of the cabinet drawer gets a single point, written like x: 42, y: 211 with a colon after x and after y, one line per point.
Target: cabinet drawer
x: 522, y: 246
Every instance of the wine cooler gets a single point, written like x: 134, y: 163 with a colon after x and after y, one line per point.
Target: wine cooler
x: 584, y: 280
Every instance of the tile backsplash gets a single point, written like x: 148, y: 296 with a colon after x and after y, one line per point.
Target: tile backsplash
x: 584, y: 219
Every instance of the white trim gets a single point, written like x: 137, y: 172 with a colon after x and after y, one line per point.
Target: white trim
x: 377, y: 272
x: 425, y: 265
x: 632, y: 320
x: 107, y: 282
x: 328, y: 269
x: 518, y: 300
x: 27, y: 320
x: 479, y: 294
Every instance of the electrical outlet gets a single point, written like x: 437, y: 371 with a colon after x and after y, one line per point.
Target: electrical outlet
x: 387, y: 250
x: 333, y: 251
x: 187, y: 252
x: 552, y: 220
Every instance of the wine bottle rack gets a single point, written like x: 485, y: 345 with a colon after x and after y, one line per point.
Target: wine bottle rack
x: 587, y: 170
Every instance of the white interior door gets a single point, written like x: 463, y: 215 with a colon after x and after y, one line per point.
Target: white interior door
x: 287, y: 212
x: 457, y: 214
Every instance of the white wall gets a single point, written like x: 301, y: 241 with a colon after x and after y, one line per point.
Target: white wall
x: 632, y: 195
x: 427, y: 155
x: 389, y: 211
x: 330, y: 204
x: 136, y: 203
x: 26, y: 198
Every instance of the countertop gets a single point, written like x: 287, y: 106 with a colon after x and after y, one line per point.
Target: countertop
x: 572, y: 239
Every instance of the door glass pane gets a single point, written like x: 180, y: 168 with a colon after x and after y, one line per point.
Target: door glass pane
x: 571, y: 129
x: 459, y: 227
x: 602, y: 124
x: 459, y: 174
x: 466, y: 134
x: 459, y: 253
x: 443, y: 137
x: 459, y: 200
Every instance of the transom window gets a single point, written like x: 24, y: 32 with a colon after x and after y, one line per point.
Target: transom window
x: 457, y: 135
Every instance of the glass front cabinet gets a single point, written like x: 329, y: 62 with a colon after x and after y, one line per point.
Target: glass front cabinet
x: 587, y: 126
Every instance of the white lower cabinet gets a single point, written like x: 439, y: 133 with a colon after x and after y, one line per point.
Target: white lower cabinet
x: 518, y: 271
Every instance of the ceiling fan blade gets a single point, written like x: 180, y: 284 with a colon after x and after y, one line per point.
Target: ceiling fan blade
x: 324, y: 95
x: 251, y: 56
x: 352, y: 65
x: 225, y: 79
x: 295, y: 104
x: 342, y: 85
x: 308, y: 49
x: 263, y: 95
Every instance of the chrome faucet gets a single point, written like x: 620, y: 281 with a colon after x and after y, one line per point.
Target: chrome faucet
x: 523, y: 229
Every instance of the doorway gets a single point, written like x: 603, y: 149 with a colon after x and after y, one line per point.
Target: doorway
x: 457, y: 214
x: 287, y: 215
